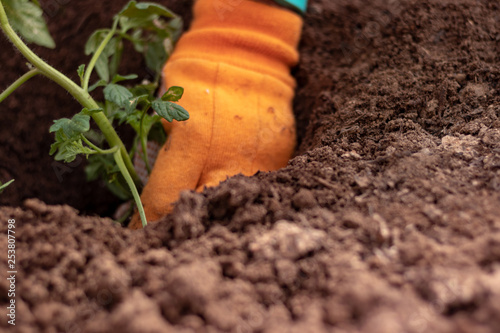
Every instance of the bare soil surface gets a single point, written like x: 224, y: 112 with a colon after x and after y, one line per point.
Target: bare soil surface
x: 387, y: 220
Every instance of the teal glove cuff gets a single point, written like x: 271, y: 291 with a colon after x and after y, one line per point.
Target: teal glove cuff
x: 297, y: 5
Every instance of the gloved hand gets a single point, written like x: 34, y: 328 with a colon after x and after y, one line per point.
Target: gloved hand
x: 234, y: 64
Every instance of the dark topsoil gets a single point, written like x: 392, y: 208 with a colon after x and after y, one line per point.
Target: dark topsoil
x: 387, y: 220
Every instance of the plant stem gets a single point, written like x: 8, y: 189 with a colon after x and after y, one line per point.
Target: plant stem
x: 78, y: 93
x: 144, y: 143
x: 97, y: 149
x: 44, y: 68
x: 96, y: 56
x: 18, y: 83
x: 135, y: 194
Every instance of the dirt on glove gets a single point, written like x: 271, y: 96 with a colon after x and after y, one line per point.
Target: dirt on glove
x: 387, y: 220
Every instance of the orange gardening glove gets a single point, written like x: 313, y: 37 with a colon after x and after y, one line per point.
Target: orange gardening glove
x: 234, y: 64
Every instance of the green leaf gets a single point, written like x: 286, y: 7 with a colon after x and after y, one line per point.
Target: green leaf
x: 72, y: 128
x: 157, y: 133
x: 132, y: 106
x: 145, y: 89
x: 110, y: 109
x: 81, y: 71
x: 68, y: 148
x: 98, y: 165
x: 104, y: 167
x: 92, y: 171
x: 134, y: 9
x: 155, y: 56
x: 118, y: 78
x: 68, y: 151
x: 100, y: 83
x: 174, y: 28
x: 135, y: 101
x: 95, y: 40
x: 137, y: 40
x: 60, y: 139
x: 102, y: 68
x: 173, y: 94
x: 27, y: 19
x: 170, y: 111
x: 122, y: 116
x: 119, y: 190
x: 4, y: 186
x: 95, y: 136
x: 118, y: 95
x: 133, y: 120
x: 93, y: 43
x: 116, y: 58
x: 142, y: 15
x: 149, y: 121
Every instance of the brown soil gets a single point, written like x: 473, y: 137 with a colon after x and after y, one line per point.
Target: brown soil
x: 387, y: 220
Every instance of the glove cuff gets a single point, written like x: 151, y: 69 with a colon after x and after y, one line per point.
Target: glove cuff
x: 299, y: 6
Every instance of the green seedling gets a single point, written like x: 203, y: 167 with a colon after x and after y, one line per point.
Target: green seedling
x: 4, y: 186
x: 150, y: 28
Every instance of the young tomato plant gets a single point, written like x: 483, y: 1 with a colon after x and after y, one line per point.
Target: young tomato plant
x: 152, y: 29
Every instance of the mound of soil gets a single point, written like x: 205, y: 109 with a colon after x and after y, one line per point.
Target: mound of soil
x: 387, y: 219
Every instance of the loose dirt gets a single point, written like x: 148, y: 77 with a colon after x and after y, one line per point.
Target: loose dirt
x: 387, y: 220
